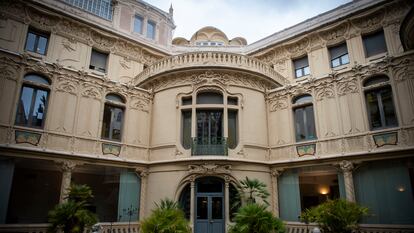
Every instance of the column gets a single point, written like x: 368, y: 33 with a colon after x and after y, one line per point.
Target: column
x: 144, y: 177
x: 347, y: 167
x: 67, y: 168
x: 227, y: 200
x: 192, y: 202
x: 275, y: 173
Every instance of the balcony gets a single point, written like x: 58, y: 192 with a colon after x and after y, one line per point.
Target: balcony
x: 201, y: 146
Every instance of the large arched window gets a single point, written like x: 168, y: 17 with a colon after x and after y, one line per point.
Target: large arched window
x: 380, y: 105
x: 113, y: 117
x: 216, y: 123
x: 304, y: 118
x: 32, y: 106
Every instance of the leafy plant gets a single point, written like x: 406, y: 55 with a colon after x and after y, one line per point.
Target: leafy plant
x: 250, y: 190
x: 254, y: 218
x: 335, y: 216
x: 167, y: 217
x: 73, y: 216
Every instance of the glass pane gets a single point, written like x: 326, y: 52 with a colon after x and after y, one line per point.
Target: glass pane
x: 187, y: 100
x: 30, y: 42
x: 115, y: 98
x: 302, y: 99
x: 374, y: 44
x: 373, y: 109
x: 316, y: 189
x: 338, y: 51
x: 301, y: 62
x: 299, y: 73
x: 232, y: 101
x: 41, y: 45
x: 306, y: 70
x: 98, y: 61
x: 388, y: 107
x: 335, y: 62
x: 209, y: 127
x: 37, y: 79
x: 39, y: 108
x: 106, y: 122
x: 375, y: 80
x: 116, y: 126
x: 186, y: 130
x: 209, y: 185
x: 345, y: 59
x: 23, y: 109
x: 151, y: 30
x: 217, y: 208
x: 299, y: 124
x: 310, y: 123
x: 185, y: 200
x: 232, y: 129
x: 138, y: 24
x: 202, y: 208
x: 209, y: 98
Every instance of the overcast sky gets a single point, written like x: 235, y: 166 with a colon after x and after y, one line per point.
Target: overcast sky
x: 251, y: 19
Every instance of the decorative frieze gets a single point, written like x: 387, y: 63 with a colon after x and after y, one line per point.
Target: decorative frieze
x: 303, y: 150
x: 385, y: 139
x: 209, y: 168
x: 27, y: 137
x: 111, y: 149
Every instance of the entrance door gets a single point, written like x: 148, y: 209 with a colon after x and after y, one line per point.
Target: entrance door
x: 209, y: 213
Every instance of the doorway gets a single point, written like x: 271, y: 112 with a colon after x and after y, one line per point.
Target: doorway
x: 209, y: 206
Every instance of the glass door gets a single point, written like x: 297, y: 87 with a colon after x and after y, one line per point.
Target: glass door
x: 209, y: 214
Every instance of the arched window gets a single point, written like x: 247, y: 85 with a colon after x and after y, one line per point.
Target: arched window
x: 209, y: 137
x: 113, y: 117
x: 304, y: 118
x: 380, y: 105
x: 31, y: 110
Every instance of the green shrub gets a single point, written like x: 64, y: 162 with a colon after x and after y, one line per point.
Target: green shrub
x: 73, y: 216
x: 167, y: 217
x: 254, y: 218
x: 252, y: 190
x: 335, y: 216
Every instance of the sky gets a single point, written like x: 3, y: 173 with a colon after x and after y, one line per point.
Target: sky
x: 251, y: 19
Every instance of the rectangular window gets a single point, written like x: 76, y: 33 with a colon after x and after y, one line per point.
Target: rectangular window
x: 98, y: 61
x: 304, y: 123
x: 301, y: 67
x: 374, y: 44
x: 36, y: 42
x: 112, y: 122
x: 138, y: 24
x: 31, y: 111
x: 101, y: 8
x: 339, y: 55
x: 151, y: 30
x: 232, y: 129
x: 380, y: 106
x: 186, y: 130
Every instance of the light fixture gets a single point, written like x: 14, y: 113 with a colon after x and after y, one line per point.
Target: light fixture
x: 401, y: 189
x: 324, y: 190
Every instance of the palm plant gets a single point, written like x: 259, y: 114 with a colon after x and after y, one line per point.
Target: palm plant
x: 254, y: 218
x: 250, y: 190
x: 167, y: 217
x: 73, y: 216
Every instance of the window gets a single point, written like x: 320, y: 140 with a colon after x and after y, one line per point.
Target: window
x: 138, y: 24
x: 209, y: 43
x: 98, y: 61
x: 101, y: 8
x: 210, y: 137
x: 31, y: 111
x: 339, y: 55
x: 36, y: 42
x: 374, y: 44
x: 113, y: 117
x: 304, y: 118
x: 380, y: 106
x: 151, y: 30
x: 301, y: 67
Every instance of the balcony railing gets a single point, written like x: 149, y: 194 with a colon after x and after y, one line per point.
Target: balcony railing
x: 209, y: 147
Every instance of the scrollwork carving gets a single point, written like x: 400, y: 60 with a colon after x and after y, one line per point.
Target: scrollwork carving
x: 278, y: 104
x: 347, y: 87
x: 324, y: 92
x: 91, y: 92
x: 209, y: 168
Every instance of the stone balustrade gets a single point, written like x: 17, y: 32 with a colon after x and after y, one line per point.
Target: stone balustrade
x: 297, y: 227
x: 115, y: 227
x: 210, y: 59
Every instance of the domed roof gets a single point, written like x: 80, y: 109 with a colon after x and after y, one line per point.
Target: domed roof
x: 209, y: 33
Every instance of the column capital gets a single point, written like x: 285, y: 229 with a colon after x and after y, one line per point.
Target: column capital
x: 276, y: 172
x: 346, y: 166
x: 68, y: 165
x: 142, y: 172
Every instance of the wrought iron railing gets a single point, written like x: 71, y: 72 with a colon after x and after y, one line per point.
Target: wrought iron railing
x: 201, y: 146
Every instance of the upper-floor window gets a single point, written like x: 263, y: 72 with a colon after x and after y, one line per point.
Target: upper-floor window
x: 32, y: 106
x: 138, y: 22
x: 151, y: 30
x: 339, y: 55
x: 380, y: 105
x: 374, y: 44
x: 101, y: 8
x: 301, y: 67
x: 304, y: 118
x: 98, y: 61
x: 209, y: 43
x: 36, y: 41
x: 113, y: 117
x: 210, y: 135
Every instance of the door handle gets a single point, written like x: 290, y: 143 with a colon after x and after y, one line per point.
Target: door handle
x: 211, y: 221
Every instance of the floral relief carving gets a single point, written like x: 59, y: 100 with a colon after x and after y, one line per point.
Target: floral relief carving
x: 209, y: 168
x: 43, y: 19
x: 370, y: 21
x: 335, y: 33
x: 278, y: 104
x: 69, y: 44
x: 298, y: 47
x: 7, y: 73
x: 325, y: 92
x: 66, y: 86
x: 91, y: 92
x: 101, y: 41
x: 347, y: 87
x: 125, y: 63
x: 140, y: 104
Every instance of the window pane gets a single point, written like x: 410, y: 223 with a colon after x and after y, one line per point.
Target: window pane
x: 202, y: 207
x: 316, y: 189
x: 114, y: 98
x: 209, y: 98
x: 375, y: 80
x: 301, y: 62
x: 98, y: 61
x: 335, y: 62
x: 30, y: 42
x: 217, y: 208
x: 106, y: 122
x: 39, y: 108
x: 388, y: 107
x: 345, y: 59
x: 232, y: 129
x: 310, y: 123
x: 299, y: 73
x: 299, y: 124
x: 373, y: 109
x: 186, y: 130
x: 112, y: 122
x: 37, y: 79
x: 302, y: 99
x: 23, y: 110
x: 151, y: 30
x: 232, y: 100
x: 138, y: 24
x: 41, y: 45
x: 306, y: 70
x: 209, y: 127
x: 187, y: 100
x: 374, y: 44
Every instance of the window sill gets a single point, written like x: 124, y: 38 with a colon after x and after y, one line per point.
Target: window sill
x: 106, y: 140
x: 35, y: 55
x: 377, y: 57
x: 305, y: 142
x: 28, y: 128
x: 341, y: 67
x: 97, y: 73
x: 302, y: 78
x: 384, y: 129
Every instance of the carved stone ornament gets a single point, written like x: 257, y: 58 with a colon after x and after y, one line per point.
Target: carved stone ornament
x: 276, y: 172
x: 209, y: 168
x: 278, y: 104
x: 66, y: 86
x: 140, y: 103
x: 336, y: 33
x: 111, y: 149
x: 346, y: 166
x: 27, y: 137
x: 347, y: 87
x: 142, y: 172
x: 69, y: 44
x: 370, y: 21
x: 325, y: 92
x: 91, y: 92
